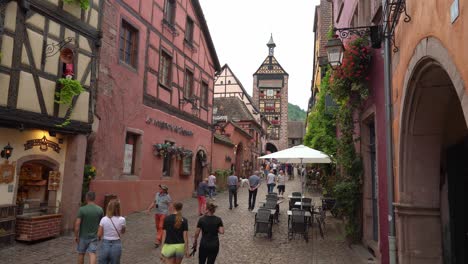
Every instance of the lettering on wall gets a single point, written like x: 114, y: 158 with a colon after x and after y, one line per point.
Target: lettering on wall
x: 173, y: 128
x: 43, y: 143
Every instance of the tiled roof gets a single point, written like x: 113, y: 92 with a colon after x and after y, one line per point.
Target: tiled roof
x: 296, y: 129
x: 232, y: 107
x: 222, y: 140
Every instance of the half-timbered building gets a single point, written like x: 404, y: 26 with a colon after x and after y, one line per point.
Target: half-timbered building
x: 48, y: 51
x: 227, y: 85
x: 154, y: 101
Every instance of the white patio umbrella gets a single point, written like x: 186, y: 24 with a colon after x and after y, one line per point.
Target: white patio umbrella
x: 299, y: 155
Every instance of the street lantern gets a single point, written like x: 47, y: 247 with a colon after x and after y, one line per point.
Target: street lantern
x: 335, y: 51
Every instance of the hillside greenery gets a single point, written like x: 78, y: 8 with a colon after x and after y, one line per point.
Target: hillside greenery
x: 295, y: 113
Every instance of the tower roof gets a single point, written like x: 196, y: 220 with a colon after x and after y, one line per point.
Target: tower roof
x: 271, y: 43
x: 271, y: 66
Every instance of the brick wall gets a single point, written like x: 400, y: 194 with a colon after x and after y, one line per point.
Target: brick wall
x: 36, y: 228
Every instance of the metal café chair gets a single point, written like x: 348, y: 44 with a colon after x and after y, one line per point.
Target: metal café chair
x: 292, y: 202
x: 263, y: 223
x: 273, y: 205
x: 297, y: 224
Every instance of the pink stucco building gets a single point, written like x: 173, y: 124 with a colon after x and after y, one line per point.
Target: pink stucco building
x: 154, y: 102
x: 370, y: 129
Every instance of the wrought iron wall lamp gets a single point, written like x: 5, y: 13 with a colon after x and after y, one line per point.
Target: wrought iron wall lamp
x: 376, y: 33
x: 7, y: 151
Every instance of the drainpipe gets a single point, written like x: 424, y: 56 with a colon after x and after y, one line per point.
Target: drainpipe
x: 389, y: 139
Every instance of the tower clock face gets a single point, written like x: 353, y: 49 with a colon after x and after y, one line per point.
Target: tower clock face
x: 270, y: 92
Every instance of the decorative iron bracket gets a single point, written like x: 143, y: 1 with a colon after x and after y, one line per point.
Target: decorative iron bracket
x: 372, y: 32
x: 392, y: 13
x: 53, y: 48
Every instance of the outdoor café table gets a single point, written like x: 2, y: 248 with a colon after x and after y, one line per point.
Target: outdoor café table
x: 304, y: 204
x: 290, y: 196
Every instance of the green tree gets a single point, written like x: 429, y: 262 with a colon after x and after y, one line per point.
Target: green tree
x: 295, y: 113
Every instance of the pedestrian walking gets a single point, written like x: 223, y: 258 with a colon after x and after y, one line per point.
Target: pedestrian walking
x: 281, y: 182
x: 162, y: 201
x: 175, y: 236
x: 271, y: 181
x: 254, y: 182
x: 212, y: 185
x: 233, y: 185
x: 210, y: 226
x: 202, y: 190
x: 86, y: 228
x: 111, y: 229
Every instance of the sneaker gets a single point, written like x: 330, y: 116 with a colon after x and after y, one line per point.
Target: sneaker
x: 236, y: 205
x: 156, y: 245
x: 230, y: 208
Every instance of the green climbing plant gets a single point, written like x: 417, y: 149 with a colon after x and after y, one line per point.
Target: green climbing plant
x: 84, y: 4
x: 88, y: 175
x: 70, y: 88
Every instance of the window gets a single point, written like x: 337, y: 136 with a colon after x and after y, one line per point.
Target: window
x: 165, y: 69
x: 169, y: 11
x: 204, y: 95
x: 167, y: 162
x: 128, y: 44
x: 132, y: 145
x: 188, y: 89
x: 189, y: 30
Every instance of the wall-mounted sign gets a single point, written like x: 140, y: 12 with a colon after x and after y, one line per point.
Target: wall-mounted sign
x: 54, y: 180
x: 220, y: 118
x: 173, y: 128
x: 43, y: 143
x: 7, y: 172
x: 128, y: 159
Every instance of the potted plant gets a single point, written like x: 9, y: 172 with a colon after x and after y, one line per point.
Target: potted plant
x: 69, y: 89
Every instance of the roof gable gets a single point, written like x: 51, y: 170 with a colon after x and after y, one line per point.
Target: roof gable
x: 270, y: 66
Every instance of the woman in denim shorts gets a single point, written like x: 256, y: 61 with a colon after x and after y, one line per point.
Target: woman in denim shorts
x: 111, y: 228
x: 175, y: 236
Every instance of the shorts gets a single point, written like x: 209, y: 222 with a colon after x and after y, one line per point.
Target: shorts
x: 87, y: 245
x: 173, y: 250
x: 281, y: 188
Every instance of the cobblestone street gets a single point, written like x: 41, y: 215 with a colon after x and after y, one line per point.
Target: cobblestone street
x: 238, y: 245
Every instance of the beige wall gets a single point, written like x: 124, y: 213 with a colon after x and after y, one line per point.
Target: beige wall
x: 17, y: 139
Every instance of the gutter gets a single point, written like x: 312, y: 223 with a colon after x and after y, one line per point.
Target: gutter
x: 389, y: 139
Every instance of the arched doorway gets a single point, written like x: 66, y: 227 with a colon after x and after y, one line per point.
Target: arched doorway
x: 270, y: 148
x: 430, y: 213
x: 200, y: 162
x: 37, y: 184
x: 239, y: 164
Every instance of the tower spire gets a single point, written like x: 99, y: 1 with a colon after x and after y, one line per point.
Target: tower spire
x: 271, y: 46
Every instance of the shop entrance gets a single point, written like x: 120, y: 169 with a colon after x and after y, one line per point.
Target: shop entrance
x: 200, y: 161
x: 431, y: 212
x: 239, y: 167
x: 37, y: 188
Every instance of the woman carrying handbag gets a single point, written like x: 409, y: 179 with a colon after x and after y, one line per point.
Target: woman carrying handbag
x: 111, y: 227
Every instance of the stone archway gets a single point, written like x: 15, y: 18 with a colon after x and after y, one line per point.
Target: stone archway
x: 433, y: 128
x: 271, y: 148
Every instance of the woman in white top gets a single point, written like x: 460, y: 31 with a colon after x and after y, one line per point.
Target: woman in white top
x: 111, y: 228
x: 281, y: 182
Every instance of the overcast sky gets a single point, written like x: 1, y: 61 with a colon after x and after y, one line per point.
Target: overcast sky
x: 240, y: 30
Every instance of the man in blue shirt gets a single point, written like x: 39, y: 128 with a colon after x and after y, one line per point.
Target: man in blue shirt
x: 254, y: 182
x: 233, y: 184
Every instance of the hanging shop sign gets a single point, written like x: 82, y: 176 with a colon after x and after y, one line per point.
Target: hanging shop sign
x: 7, y: 172
x: 43, y: 143
x: 164, y: 125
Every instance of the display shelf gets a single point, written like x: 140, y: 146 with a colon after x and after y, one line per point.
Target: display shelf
x: 7, y: 224
x: 7, y: 219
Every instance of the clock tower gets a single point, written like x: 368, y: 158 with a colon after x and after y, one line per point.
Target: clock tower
x: 270, y: 92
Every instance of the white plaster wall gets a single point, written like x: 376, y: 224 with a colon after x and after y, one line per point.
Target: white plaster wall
x: 17, y: 139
